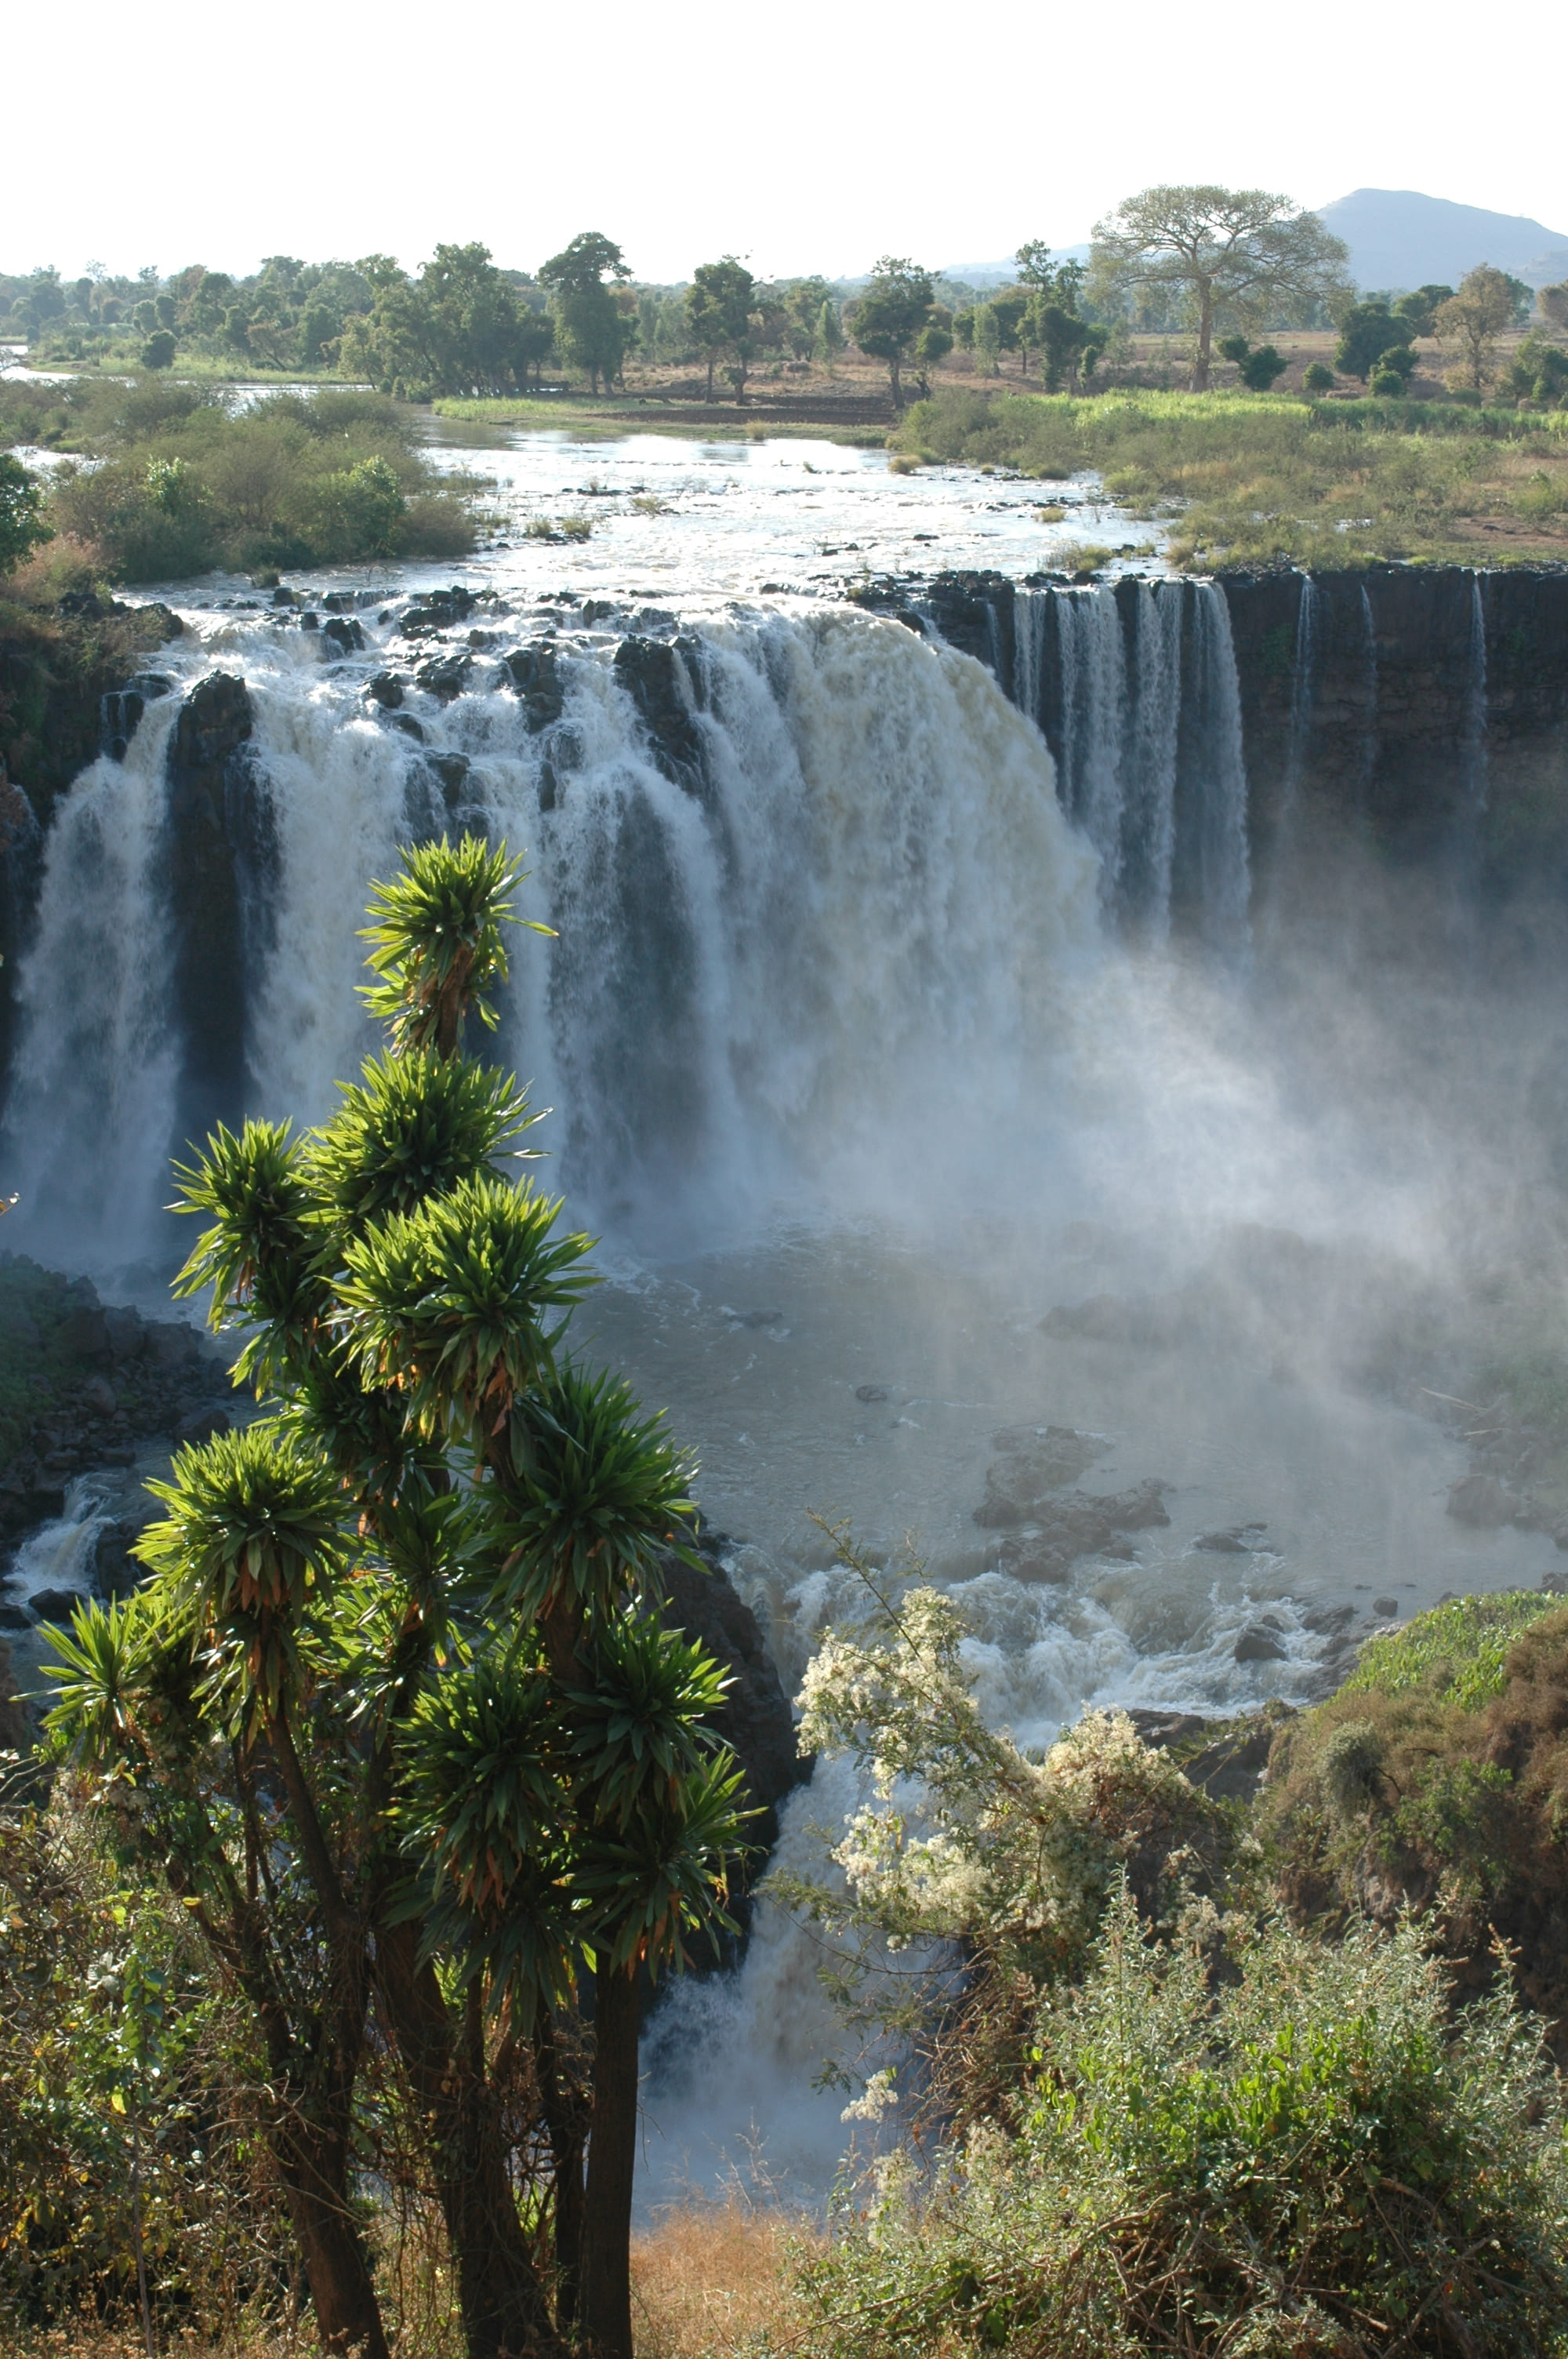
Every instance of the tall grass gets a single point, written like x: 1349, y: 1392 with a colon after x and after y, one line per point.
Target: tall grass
x: 1259, y: 478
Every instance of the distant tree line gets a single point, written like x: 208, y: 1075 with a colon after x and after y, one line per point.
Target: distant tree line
x: 1217, y: 266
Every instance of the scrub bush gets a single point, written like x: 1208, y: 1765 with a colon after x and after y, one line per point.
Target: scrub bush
x: 1298, y: 2156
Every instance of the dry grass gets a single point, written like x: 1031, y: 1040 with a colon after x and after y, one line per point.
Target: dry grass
x: 716, y: 2278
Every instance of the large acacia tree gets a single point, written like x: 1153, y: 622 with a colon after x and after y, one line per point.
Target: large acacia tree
x: 396, y: 1715
x: 1234, y: 257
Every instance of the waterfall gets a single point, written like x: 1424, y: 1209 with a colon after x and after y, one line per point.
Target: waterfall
x: 1369, y: 678
x: 839, y: 880
x: 1030, y: 614
x: 1219, y: 860
x: 92, y: 1099
x: 1149, y: 826
x: 1093, y: 725
x: 1474, y: 724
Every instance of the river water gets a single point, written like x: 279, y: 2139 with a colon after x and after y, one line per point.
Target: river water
x: 858, y: 1078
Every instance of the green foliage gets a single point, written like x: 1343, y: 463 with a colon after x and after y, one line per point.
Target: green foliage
x: 890, y: 315
x: 1288, y: 2157
x: 594, y: 331
x: 1539, y: 373
x: 460, y: 326
x: 22, y: 522
x: 1316, y: 378
x: 158, y: 350
x: 1418, y: 310
x: 437, y: 942
x: 718, y: 307
x: 398, y: 1676
x: 1458, y: 1651
x: 184, y: 484
x: 120, y: 2121
x: 1367, y: 331
x: 596, y: 1497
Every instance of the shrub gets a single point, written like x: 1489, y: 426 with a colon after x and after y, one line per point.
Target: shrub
x: 158, y: 350
x: 1387, y: 382
x: 1318, y: 379
x: 22, y: 524
x: 1300, y: 2156
x: 184, y: 484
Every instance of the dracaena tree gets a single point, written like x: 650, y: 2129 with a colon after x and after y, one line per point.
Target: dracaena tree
x: 394, y: 1713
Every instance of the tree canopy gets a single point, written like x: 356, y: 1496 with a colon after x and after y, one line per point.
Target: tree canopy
x: 890, y: 315
x: 719, y: 308
x: 396, y: 1715
x: 1241, y: 255
x: 595, y: 332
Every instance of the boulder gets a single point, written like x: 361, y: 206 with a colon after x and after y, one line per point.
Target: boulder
x: 444, y: 677
x: 83, y: 1332
x: 1259, y: 1644
x: 536, y: 675
x: 385, y: 689
x: 202, y: 1425
x: 127, y: 1333
x: 1480, y: 1501
x: 656, y: 676
x: 99, y: 1397
x: 754, y: 1718
x: 1239, y: 1540
x: 343, y: 637
x: 1073, y: 1524
x: 1033, y: 1461
x: 170, y: 1344
x: 56, y: 1604
x: 1386, y: 1608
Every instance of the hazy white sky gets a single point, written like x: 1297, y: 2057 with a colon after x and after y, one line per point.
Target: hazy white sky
x: 810, y: 135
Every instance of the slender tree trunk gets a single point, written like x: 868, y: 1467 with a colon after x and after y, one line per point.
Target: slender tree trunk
x: 313, y: 2166
x: 504, y: 2312
x: 606, y: 2299
x: 897, y: 388
x: 1206, y: 339
x: 710, y: 377
x: 566, y: 2120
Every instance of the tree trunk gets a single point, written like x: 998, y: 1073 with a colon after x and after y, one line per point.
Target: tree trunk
x: 710, y: 377
x: 504, y: 2312
x: 313, y: 2167
x: 897, y: 388
x: 606, y: 2299
x: 566, y: 2120
x: 1205, y: 338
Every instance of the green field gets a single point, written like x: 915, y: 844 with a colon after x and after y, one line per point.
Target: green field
x: 1248, y: 479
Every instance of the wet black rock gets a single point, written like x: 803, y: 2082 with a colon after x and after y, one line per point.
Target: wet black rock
x: 1261, y: 1644
x: 344, y: 634
x: 536, y: 675
x: 1386, y: 1608
x: 1328, y: 1621
x: 1239, y: 1540
x: 56, y: 1604
x: 15, y: 1617
x: 437, y: 610
x: 385, y: 689
x: 409, y: 726
x: 661, y: 686
x: 444, y: 677
x: 754, y: 1718
x: 871, y: 1393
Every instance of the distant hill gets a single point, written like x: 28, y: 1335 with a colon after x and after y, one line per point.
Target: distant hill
x: 1002, y: 273
x: 1400, y: 239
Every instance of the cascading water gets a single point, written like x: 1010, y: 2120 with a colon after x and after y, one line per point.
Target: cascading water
x: 1093, y: 725
x: 1215, y: 853
x: 1476, y: 702
x: 1149, y: 825
x: 864, y: 876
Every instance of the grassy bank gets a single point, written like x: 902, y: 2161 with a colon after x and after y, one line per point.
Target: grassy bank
x: 1256, y: 479
x: 175, y: 482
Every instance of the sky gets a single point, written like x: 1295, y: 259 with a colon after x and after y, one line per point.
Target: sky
x: 813, y: 136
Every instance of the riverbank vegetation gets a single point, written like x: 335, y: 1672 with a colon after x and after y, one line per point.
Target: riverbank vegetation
x: 1260, y: 479
x: 159, y: 480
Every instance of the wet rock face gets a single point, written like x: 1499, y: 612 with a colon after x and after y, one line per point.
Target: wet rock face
x: 662, y: 689
x: 1032, y: 1462
x: 215, y: 852
x: 755, y: 1720
x: 534, y: 673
